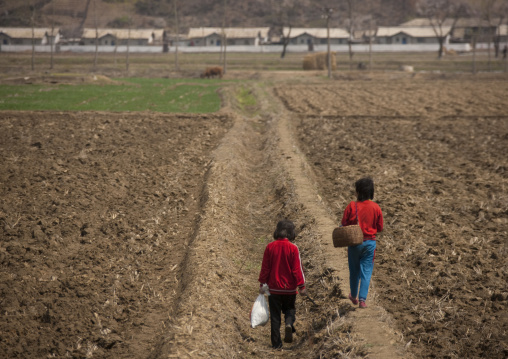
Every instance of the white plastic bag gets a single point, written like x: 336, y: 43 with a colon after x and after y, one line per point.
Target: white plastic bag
x: 259, y: 314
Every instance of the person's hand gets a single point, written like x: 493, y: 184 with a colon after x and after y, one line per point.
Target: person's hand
x: 303, y: 291
x: 261, y: 290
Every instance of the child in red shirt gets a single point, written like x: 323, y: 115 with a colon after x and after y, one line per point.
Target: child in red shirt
x: 361, y: 257
x: 282, y: 271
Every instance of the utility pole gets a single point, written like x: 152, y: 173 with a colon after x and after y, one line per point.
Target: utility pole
x: 96, y: 36
x: 370, y: 44
x: 224, y: 38
x: 505, y: 53
x: 52, y: 38
x: 33, y: 37
x: 128, y: 48
x: 328, y: 15
x: 177, y: 30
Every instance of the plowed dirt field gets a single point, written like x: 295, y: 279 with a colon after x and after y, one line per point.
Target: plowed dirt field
x: 438, y: 153
x: 140, y: 235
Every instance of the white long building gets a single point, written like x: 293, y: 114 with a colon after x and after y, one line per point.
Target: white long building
x: 212, y: 36
x: 25, y: 36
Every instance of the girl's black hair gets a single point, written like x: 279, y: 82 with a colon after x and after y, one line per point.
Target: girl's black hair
x: 364, y: 189
x: 285, y: 229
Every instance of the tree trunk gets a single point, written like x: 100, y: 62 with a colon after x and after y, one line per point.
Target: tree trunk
x: 351, y: 4
x: 96, y: 49
x: 474, y: 54
x: 177, y: 30
x: 329, y: 55
x: 115, y: 51
x: 285, y: 41
x: 370, y: 44
x: 505, y: 56
x: 441, y: 43
x: 85, y: 14
x: 96, y: 37
x: 224, y: 38
x: 370, y: 52
x: 350, y: 54
x: 284, y: 46
x: 224, y: 65
x: 489, y: 56
x: 33, y: 38
x: 52, y: 40
x: 128, y: 49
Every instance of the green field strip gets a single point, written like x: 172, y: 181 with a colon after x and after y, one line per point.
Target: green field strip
x: 158, y: 95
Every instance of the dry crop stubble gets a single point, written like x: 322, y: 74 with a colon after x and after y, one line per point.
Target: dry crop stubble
x: 441, y: 182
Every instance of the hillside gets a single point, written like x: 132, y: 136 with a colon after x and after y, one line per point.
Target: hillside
x: 74, y: 14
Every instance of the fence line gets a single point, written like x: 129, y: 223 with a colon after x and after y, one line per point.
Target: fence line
x: 359, y: 48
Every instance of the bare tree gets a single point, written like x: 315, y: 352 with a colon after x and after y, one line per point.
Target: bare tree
x: 372, y: 8
x: 487, y: 8
x: 284, y: 15
x: 485, y: 11
x: 285, y: 39
x: 351, y: 8
x: 87, y: 8
x: 499, y: 9
x: 443, y: 16
x: 475, y: 11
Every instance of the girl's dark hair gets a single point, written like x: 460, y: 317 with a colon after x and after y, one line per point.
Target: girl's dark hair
x: 285, y: 229
x: 364, y: 189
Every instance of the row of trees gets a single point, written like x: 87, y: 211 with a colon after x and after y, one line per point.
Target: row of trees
x: 353, y: 14
x: 488, y: 13
x: 442, y: 15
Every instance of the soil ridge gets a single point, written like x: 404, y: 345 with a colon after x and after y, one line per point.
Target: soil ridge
x: 234, y: 209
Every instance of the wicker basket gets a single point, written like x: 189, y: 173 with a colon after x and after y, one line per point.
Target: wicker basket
x: 347, y: 236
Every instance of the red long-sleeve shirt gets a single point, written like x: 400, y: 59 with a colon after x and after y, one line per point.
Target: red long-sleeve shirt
x: 369, y: 216
x: 281, y: 268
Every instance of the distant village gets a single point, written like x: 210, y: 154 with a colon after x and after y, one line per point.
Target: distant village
x: 415, y: 34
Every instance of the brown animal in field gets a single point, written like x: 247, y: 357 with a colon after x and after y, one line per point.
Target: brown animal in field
x: 211, y: 72
x: 449, y: 51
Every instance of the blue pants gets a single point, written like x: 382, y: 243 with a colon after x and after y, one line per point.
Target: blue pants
x: 361, y: 265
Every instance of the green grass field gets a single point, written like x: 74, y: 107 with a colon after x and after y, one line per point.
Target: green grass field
x: 130, y: 94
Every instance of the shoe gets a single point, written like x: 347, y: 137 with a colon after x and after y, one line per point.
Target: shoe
x: 277, y: 347
x: 362, y: 304
x: 353, y: 300
x: 288, y: 334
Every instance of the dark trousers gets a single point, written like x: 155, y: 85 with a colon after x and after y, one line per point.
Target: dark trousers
x: 281, y: 304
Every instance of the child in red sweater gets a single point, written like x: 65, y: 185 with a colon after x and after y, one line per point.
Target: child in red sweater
x: 282, y: 271
x: 361, y: 257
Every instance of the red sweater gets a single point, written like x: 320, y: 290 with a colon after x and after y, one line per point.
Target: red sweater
x: 281, y: 268
x: 369, y: 215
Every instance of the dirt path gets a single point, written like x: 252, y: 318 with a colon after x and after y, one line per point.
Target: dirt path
x: 256, y: 178
x: 371, y: 324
